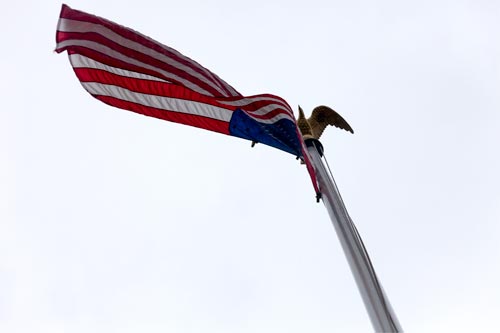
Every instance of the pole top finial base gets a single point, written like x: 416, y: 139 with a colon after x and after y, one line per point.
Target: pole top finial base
x: 311, y: 142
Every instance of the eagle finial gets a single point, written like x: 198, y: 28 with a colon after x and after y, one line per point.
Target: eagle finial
x: 321, y: 116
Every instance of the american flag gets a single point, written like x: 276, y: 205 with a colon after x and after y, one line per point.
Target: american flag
x: 126, y: 69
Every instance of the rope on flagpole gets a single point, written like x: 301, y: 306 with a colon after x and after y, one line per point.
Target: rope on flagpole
x: 379, y: 310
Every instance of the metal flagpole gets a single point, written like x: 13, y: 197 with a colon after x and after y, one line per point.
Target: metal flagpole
x: 382, y: 316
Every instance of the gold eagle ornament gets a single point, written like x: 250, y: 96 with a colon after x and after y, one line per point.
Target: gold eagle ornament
x: 314, y: 126
x: 321, y: 116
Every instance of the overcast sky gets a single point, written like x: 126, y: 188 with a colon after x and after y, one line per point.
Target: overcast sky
x: 115, y: 222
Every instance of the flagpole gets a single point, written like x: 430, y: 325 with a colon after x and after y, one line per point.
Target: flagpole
x: 379, y: 310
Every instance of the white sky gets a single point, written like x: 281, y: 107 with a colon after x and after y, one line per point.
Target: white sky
x: 115, y: 222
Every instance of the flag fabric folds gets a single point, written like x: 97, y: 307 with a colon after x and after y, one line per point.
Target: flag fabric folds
x: 126, y: 69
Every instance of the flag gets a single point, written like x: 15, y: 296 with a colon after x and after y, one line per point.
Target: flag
x: 126, y: 69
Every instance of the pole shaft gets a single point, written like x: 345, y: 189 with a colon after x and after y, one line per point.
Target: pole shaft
x: 377, y: 305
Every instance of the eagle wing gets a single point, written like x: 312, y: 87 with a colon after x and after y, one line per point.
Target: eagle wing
x: 323, y: 116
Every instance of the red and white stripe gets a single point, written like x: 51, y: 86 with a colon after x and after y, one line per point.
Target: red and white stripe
x: 76, y: 28
x: 150, y: 95
x: 100, y: 45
